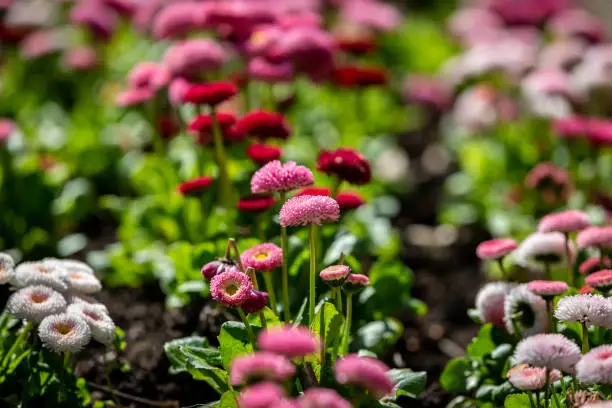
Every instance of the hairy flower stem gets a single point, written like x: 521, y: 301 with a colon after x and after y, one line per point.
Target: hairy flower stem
x: 347, y: 324
x: 225, y: 184
x: 570, y: 264
x: 270, y: 288
x: 585, y: 338
x: 248, y: 326
x: 285, y: 275
x: 22, y: 336
x: 337, y: 294
x: 551, y: 318
x: 503, y: 269
x: 313, y: 272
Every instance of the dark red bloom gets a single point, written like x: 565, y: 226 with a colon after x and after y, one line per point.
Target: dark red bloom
x: 221, y: 265
x: 346, y: 164
x: 194, y: 186
x: 347, y: 200
x: 256, y: 302
x: 167, y: 126
x: 356, y: 46
x: 264, y: 125
x: 354, y: 76
x: 314, y: 191
x: 256, y: 203
x: 202, y: 125
x: 211, y: 93
x: 599, y: 132
x: 262, y: 153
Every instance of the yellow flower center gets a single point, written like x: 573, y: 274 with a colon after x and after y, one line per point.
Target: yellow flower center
x: 63, y: 328
x: 38, y: 298
x: 261, y: 256
x: 231, y: 289
x: 258, y: 38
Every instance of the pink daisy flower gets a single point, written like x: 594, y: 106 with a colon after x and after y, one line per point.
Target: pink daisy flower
x: 547, y: 288
x: 261, y: 366
x: 598, y: 404
x: 289, y: 341
x: 263, y: 257
x: 309, y: 210
x: 495, y: 248
x: 335, y: 275
x: 490, y: 302
x: 552, y: 351
x: 262, y: 395
x: 565, y: 221
x: 595, y: 367
x: 364, y: 372
x: 231, y: 288
x: 594, y: 264
x: 277, y: 177
x: 595, y: 237
x: 586, y: 289
x: 133, y: 96
x: 214, y: 268
x: 256, y: 302
x: 527, y: 378
x: 355, y: 282
x: 601, y: 279
x: 588, y: 309
x: 322, y: 398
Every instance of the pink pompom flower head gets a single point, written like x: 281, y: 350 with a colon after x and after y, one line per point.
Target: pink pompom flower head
x: 256, y: 302
x: 335, y: 275
x: 289, y: 341
x: 191, y: 58
x: 364, y: 372
x: 601, y: 280
x: 594, y: 264
x: 133, y: 97
x: 595, y: 237
x: 547, y: 289
x: 551, y: 351
x: 565, y: 222
x: 595, y: 367
x: 527, y: 378
x: 262, y: 395
x: 309, y: 210
x: 490, y: 302
x: 231, y: 288
x: 355, y: 282
x: 260, y: 366
x: 495, y: 249
x: 263, y: 257
x: 278, y: 177
x: 554, y: 183
x: 322, y: 398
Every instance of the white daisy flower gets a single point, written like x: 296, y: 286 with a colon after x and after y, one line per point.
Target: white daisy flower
x: 101, y: 325
x: 591, y: 310
x: 83, y: 282
x: 64, y: 332
x: 34, y: 303
x: 525, y: 311
x: 40, y: 273
x: 7, y: 268
x: 71, y: 265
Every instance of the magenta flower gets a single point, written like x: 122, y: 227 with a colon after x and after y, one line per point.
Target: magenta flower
x: 335, y: 275
x: 214, y: 268
x: 261, y: 366
x: 278, y: 177
x: 364, y: 372
x: 552, y: 351
x: 309, y: 210
x: 490, y: 302
x: 262, y: 395
x: 256, y: 302
x: 179, y: 19
x: 429, y: 91
x: 7, y: 128
x: 601, y: 279
x: 577, y: 22
x: 191, y: 58
x: 263, y: 70
x: 355, y: 282
x: 565, y: 221
x: 322, y: 398
x: 263, y: 257
x: 371, y: 13
x: 570, y: 128
x: 81, y: 58
x: 289, y: 341
x: 595, y: 237
x: 533, y: 317
x: 547, y: 288
x: 594, y: 264
x: 133, y: 96
x: 231, y: 288
x: 564, y: 54
x: 587, y: 309
x: 177, y: 90
x: 527, y: 378
x: 495, y: 248
x: 100, y: 19
x: 148, y: 75
x: 595, y: 367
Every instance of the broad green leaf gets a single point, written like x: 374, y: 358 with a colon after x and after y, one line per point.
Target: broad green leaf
x: 208, y: 355
x: 176, y: 356
x: 453, y: 378
x: 271, y: 318
x: 234, y: 341
x: 517, y: 401
x: 334, y: 321
x: 379, y: 336
x: 483, y: 343
x: 408, y: 383
x: 228, y: 400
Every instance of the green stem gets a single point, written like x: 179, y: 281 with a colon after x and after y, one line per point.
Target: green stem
x: 551, y: 317
x: 18, y: 341
x: 338, y: 296
x: 585, y: 338
x: 531, y: 401
x: 570, y: 264
x: 555, y: 397
x: 109, y: 384
x: 335, y: 188
x: 285, y: 275
x: 347, y: 324
x: 259, y: 228
x: 322, y: 330
x: 225, y: 186
x: 247, y: 325
x: 548, y: 272
x: 502, y: 269
x: 313, y: 273
x: 270, y: 288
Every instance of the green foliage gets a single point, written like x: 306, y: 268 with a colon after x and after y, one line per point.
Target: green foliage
x: 378, y: 336
x: 234, y: 341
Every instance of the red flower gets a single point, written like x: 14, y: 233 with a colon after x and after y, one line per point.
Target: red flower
x: 212, y: 93
x: 346, y: 164
x: 354, y: 76
x: 196, y: 185
x: 256, y: 203
x: 356, y: 46
x: 264, y: 125
x: 167, y: 126
x: 262, y: 153
x: 202, y: 125
x: 347, y: 200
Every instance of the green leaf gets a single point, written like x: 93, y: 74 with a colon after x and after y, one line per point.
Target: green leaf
x: 176, y: 356
x: 334, y: 321
x: 483, y: 343
x: 517, y: 401
x: 453, y: 378
x: 234, y: 341
x: 271, y: 318
x: 300, y: 315
x: 228, y: 400
x: 379, y: 336
x: 408, y: 383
